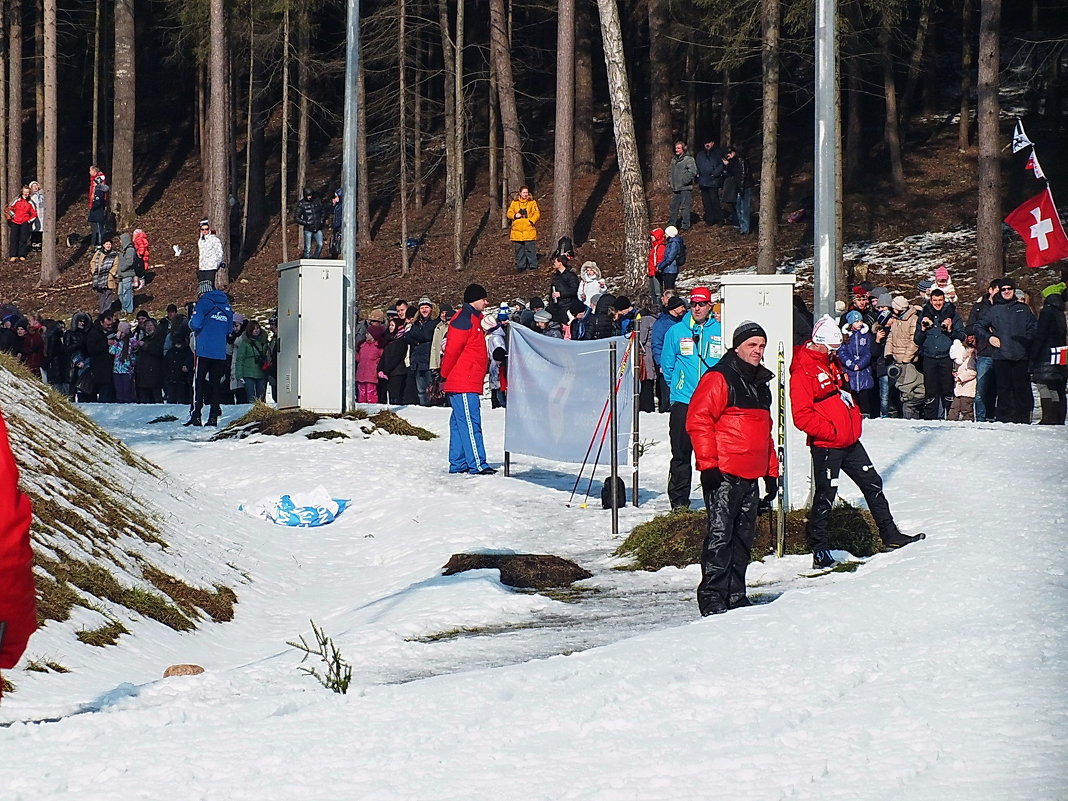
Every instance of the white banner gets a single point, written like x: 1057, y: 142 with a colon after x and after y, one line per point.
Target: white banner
x: 557, y: 393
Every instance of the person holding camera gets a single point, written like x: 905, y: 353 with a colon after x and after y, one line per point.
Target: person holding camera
x: 938, y: 327
x: 523, y: 212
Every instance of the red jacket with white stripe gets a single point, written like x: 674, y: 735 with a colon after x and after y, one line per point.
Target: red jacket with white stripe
x: 817, y: 381
x: 465, y: 362
x: 17, y: 595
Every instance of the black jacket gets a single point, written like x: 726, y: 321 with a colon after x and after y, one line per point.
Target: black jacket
x: 567, y: 284
x: 150, y: 369
x: 602, y: 326
x: 933, y: 339
x: 101, y: 362
x: 419, y: 338
x: 709, y: 168
x: 310, y: 214
x: 392, y: 361
x: 1013, y: 324
x: 1051, y: 332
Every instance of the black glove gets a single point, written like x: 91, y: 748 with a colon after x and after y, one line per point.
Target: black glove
x: 771, y: 489
x: 710, y: 479
x: 435, y: 375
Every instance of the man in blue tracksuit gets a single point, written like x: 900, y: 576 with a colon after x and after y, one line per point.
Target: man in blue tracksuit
x: 691, y: 348
x: 211, y: 321
x: 672, y: 310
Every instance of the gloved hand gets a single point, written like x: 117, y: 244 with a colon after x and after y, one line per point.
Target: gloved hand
x: 847, y: 398
x: 711, y: 479
x: 435, y: 375
x: 771, y: 489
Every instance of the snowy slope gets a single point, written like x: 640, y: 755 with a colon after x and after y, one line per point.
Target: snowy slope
x: 937, y: 672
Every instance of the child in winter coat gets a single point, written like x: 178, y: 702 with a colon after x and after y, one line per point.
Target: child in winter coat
x: 856, y: 356
x: 945, y: 283
x: 125, y: 356
x: 964, y: 380
x: 592, y: 283
x: 367, y: 357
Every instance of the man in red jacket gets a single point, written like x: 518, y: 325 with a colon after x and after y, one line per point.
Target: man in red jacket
x: 18, y: 616
x: 463, y: 366
x: 729, y: 423
x: 825, y: 409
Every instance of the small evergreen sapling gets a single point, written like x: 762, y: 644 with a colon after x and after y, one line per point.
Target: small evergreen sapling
x: 338, y: 673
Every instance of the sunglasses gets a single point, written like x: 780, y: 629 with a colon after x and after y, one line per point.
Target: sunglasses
x: 1007, y: 289
x: 700, y: 303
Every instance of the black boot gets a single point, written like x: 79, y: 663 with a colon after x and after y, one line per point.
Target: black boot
x: 711, y: 603
x: 892, y: 542
x: 213, y: 420
x: 822, y: 559
x: 194, y: 420
x: 738, y: 599
x: 1047, y: 412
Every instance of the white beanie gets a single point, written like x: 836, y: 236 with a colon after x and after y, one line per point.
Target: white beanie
x: 671, y: 231
x: 826, y: 332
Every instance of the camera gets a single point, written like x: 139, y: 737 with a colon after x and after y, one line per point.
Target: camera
x: 522, y: 212
x: 926, y: 324
x: 893, y: 371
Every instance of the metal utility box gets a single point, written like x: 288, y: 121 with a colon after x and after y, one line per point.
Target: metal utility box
x: 311, y: 335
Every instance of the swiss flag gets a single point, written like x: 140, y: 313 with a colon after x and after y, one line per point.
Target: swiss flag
x: 1036, y: 221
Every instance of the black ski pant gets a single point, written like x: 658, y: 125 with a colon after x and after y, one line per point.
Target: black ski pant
x: 732, y: 513
x: 680, y: 472
x: 713, y: 213
x: 827, y: 464
x: 937, y: 387
x: 208, y: 386
x: 1015, y: 400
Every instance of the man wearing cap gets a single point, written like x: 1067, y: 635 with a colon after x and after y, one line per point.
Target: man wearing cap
x: 209, y: 254
x: 211, y: 321
x: 729, y: 423
x: 419, y: 335
x: 672, y: 310
x: 309, y: 215
x: 683, y: 173
x: 690, y: 350
x: 1009, y: 326
x: 623, y: 312
x: 985, y: 388
x: 710, y: 180
x: 825, y: 409
x: 861, y: 303
x: 464, y: 366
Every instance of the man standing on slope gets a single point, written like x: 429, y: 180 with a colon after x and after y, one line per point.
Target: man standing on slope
x: 825, y: 409
x: 691, y: 348
x: 18, y: 617
x: 211, y: 321
x: 729, y: 423
x: 464, y: 366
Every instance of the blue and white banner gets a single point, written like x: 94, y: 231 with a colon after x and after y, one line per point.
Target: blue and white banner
x: 558, y: 397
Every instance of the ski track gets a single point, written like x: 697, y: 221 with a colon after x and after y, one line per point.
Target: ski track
x: 934, y: 672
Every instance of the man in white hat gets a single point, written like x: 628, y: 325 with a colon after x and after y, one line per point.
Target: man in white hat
x: 825, y: 409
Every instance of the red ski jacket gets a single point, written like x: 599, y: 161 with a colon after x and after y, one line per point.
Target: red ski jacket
x: 21, y: 211
x: 17, y: 594
x: 817, y: 381
x: 729, y: 420
x: 465, y: 362
x: 656, y: 250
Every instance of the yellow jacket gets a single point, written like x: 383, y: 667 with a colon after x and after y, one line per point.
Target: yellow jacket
x: 523, y: 229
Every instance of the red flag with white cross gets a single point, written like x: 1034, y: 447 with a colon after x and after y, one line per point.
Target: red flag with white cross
x: 1036, y: 221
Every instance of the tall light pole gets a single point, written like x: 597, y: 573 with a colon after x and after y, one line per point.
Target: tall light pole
x: 348, y: 209
x: 825, y: 246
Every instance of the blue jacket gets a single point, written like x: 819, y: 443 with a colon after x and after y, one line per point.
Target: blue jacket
x: 660, y: 328
x: 671, y: 252
x: 690, y: 350
x: 212, y: 320
x: 935, y: 341
x: 856, y: 357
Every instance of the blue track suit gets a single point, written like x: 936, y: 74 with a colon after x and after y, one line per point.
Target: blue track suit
x: 467, y: 454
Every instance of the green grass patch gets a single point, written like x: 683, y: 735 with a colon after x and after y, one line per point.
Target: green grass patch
x: 6, y: 687
x: 263, y: 419
x: 676, y: 539
x: 55, y: 599
x: 393, y: 423
x: 218, y: 603
x: 328, y: 435
x: 107, y: 634
x: 45, y: 667
x: 156, y: 607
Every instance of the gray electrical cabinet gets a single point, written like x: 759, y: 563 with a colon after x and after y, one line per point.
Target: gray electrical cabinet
x: 311, y: 335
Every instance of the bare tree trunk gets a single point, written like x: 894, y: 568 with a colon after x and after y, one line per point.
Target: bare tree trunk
x: 966, y: 54
x: 767, y: 255
x: 50, y: 111
x: 563, y: 149
x: 915, y: 67
x: 96, y: 81
x: 417, y: 124
x: 363, y: 180
x: 38, y: 83
x: 494, y: 179
x: 402, y: 137
x: 584, y: 149
x: 14, y: 101
x: 635, y: 209
x: 891, y: 131
x: 513, y: 146
x: 303, y: 88
x: 250, y: 111
x: 989, y: 250
x: 854, y: 140
x: 458, y: 94
x: 691, y: 99
x: 660, y: 128
x: 205, y: 138
x: 284, y: 161
x: 219, y: 146
x: 448, y: 60
x: 124, y: 114
x: 726, y: 112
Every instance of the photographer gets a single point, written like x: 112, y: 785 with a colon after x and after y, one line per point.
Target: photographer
x: 524, y: 215
x: 938, y: 327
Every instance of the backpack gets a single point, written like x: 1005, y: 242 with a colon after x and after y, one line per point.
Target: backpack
x: 680, y: 257
x: 606, y: 493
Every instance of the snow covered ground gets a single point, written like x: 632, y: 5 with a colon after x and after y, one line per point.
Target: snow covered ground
x: 936, y: 672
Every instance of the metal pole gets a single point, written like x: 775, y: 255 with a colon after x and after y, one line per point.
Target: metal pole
x: 507, y: 463
x: 825, y: 245
x: 613, y: 428
x: 348, y: 210
x: 634, y: 422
